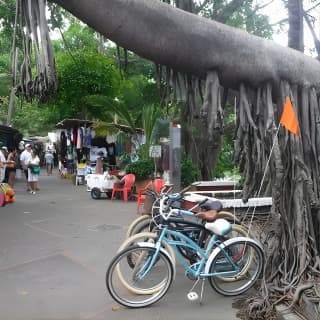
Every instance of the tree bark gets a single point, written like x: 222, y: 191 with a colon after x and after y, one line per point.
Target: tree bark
x: 193, y: 44
x: 295, y: 19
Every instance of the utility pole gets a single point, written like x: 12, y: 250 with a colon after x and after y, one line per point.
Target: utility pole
x: 175, y: 156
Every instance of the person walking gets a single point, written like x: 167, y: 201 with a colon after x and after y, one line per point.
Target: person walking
x: 49, y: 162
x: 11, y: 168
x: 25, y: 159
x: 33, y: 172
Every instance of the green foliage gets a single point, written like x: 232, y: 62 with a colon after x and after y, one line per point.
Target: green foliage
x: 7, y: 15
x: 137, y: 91
x: 57, y: 16
x: 149, y: 116
x: 114, y: 107
x: 78, y: 37
x: 143, y: 169
x: 244, y: 16
x: 225, y: 165
x: 5, y: 83
x: 4, y: 63
x: 80, y: 76
x: 189, y: 173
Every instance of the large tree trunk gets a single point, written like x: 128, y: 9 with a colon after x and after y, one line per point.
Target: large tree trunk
x: 193, y: 44
x: 295, y: 19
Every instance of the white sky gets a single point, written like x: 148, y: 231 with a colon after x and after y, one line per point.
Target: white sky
x: 276, y: 12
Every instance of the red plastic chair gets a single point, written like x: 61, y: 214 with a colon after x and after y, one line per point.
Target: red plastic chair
x: 156, y: 185
x: 125, y: 185
x: 142, y: 196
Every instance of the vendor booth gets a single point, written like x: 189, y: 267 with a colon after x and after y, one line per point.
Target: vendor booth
x: 85, y: 149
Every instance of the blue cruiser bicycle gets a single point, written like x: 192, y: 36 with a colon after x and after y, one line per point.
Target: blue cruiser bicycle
x: 232, y: 266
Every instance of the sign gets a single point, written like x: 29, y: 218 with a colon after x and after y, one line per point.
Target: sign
x: 155, y: 151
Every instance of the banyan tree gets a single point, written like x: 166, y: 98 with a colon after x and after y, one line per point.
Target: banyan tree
x: 272, y: 160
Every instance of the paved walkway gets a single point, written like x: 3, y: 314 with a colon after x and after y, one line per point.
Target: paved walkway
x: 54, y: 250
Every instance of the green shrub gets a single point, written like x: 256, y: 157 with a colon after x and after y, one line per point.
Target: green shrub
x: 142, y: 169
x: 189, y: 172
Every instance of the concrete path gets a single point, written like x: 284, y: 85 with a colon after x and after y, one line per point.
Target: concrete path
x: 55, y: 247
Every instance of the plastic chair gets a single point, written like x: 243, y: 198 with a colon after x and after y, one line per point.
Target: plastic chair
x: 142, y: 196
x: 125, y: 185
x: 156, y: 185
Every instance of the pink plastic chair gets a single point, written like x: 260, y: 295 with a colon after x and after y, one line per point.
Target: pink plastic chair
x: 125, y: 185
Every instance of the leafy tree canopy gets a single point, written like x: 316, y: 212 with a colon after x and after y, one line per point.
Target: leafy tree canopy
x: 83, y: 74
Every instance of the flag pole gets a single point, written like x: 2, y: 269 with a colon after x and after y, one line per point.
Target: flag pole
x: 267, y: 164
x: 264, y: 176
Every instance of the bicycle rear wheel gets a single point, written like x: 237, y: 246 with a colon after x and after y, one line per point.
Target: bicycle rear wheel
x: 247, y: 257
x: 136, y: 224
x: 145, y: 275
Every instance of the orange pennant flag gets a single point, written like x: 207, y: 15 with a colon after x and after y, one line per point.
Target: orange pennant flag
x: 288, y: 118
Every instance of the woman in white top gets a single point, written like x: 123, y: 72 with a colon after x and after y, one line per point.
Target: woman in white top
x: 33, y: 177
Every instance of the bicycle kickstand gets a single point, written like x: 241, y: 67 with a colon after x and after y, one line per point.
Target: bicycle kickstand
x: 193, y: 295
x: 202, y: 290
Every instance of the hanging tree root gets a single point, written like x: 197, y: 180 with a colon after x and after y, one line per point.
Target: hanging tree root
x: 34, y: 31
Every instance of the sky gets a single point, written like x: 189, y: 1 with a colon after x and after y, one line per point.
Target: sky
x: 276, y: 12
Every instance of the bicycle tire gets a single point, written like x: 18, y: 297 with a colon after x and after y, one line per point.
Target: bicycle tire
x: 237, y: 231
x: 242, y: 278
x: 162, y: 267
x: 135, y: 223
x: 133, y: 240
x: 229, y: 216
x: 144, y: 226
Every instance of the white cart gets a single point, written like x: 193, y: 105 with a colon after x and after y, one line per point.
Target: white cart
x: 100, y: 183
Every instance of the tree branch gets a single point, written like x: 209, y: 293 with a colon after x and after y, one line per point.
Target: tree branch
x: 228, y: 10
x: 314, y: 36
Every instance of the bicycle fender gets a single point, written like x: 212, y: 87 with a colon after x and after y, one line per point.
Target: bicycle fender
x: 165, y: 252
x: 226, y: 243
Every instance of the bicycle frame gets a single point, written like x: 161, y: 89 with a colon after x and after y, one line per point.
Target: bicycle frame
x: 196, y: 269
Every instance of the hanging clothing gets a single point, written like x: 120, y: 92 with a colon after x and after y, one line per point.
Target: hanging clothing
x: 112, y: 152
x: 79, y: 140
x: 86, y: 137
x: 63, y: 144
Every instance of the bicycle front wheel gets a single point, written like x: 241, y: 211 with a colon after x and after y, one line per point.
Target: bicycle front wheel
x: 149, y: 272
x: 241, y: 261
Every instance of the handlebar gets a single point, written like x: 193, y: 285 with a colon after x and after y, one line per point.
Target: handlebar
x: 166, y: 211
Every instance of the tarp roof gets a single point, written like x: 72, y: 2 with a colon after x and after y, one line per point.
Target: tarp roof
x: 71, y: 123
x: 8, y: 130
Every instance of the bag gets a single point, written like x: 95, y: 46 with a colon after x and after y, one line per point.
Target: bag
x: 35, y: 169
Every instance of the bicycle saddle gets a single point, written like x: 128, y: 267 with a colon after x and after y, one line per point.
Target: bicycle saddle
x: 211, y: 205
x: 208, y: 216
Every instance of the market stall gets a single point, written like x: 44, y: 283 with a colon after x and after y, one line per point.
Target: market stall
x: 83, y: 147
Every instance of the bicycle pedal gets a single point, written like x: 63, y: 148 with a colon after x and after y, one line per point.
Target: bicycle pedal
x: 192, y: 296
